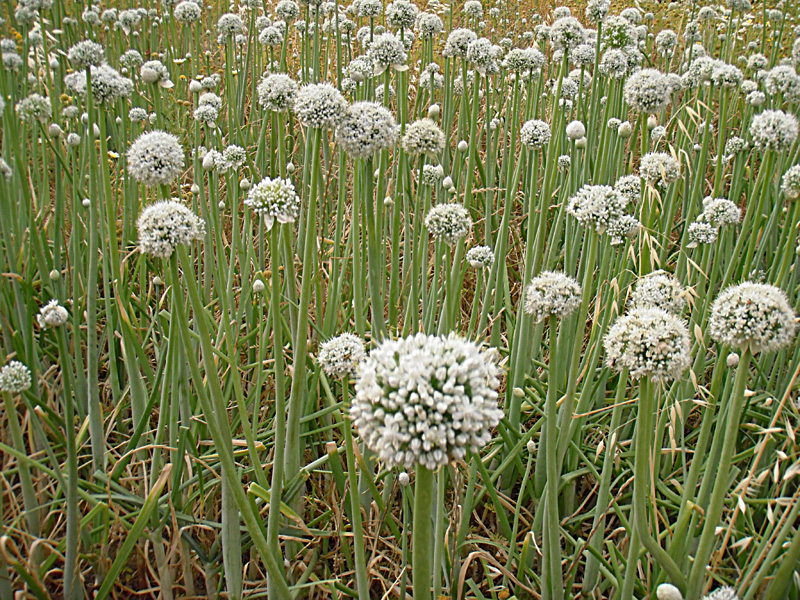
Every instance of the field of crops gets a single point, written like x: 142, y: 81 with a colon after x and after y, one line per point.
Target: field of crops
x: 399, y: 299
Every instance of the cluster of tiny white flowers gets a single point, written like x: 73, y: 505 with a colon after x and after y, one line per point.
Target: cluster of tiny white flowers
x: 522, y: 60
x: 401, y: 14
x: 666, y: 41
x: 659, y: 290
x: 52, y: 314
x: 274, y: 199
x: 423, y: 137
x: 187, y: 12
x: 448, y: 222
x: 647, y: 91
x: 365, y: 129
x: 790, y: 183
x: 35, y: 108
x: 426, y: 400
x: 566, y: 33
x: 660, y: 169
x: 597, y: 206
x: 649, y: 342
x: 720, y: 212
x: 735, y: 145
x: 155, y: 158
x: 154, y: 71
x: 288, y: 10
x: 474, y: 9
x: 431, y: 174
x: 480, y: 257
x: 481, y: 53
x: 618, y: 32
x: 86, y: 54
x: 596, y: 10
x: 552, y: 293
x: 726, y: 592
x: 701, y: 233
x: 387, y: 50
x: 108, y: 85
x: 341, y: 355
x: 624, y: 228
x: 783, y: 80
x: 276, y: 92
x: 457, y: 43
x: 270, y: 36
x: 429, y: 24
x: 629, y: 186
x: 166, y: 224
x: 754, y: 315
x: 319, y: 105
x: 229, y: 25
x: 614, y: 64
x: 15, y: 377
x: 774, y: 130
x: 535, y: 134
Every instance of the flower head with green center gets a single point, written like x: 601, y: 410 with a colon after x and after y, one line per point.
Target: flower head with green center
x: 426, y: 400
x: 275, y: 200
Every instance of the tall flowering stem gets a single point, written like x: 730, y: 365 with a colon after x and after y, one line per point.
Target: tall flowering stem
x: 422, y: 547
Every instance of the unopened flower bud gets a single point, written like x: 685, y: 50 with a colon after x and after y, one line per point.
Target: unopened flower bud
x: 258, y: 286
x: 434, y: 111
x: 403, y: 479
x: 733, y: 360
x: 463, y: 146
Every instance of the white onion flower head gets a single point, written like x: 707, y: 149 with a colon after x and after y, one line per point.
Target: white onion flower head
x: 667, y: 591
x: 596, y: 10
x: 277, y: 92
x: 275, y: 200
x: 319, y: 105
x: 648, y: 91
x: 701, y: 232
x: 187, y: 12
x: 457, y: 43
x: 51, y: 315
x: 86, y: 54
x: 480, y: 257
x: 154, y: 71
x: 535, y: 134
x: 649, y: 342
x: 108, y: 85
x: 365, y: 129
x: 790, y: 183
x: 566, y: 33
x: 597, y: 206
x: 340, y: 356
x: 629, y: 186
x: 401, y: 14
x: 387, y: 50
x: 625, y: 228
x: 230, y: 25
x: 774, y: 130
x: 659, y: 290
x: 448, y: 222
x: 754, y: 315
x: 618, y: 32
x: 426, y: 400
x: 725, y: 592
x: 155, y: 158
x: 166, y: 224
x: 575, y: 130
x: 481, y: 54
x: 423, y: 137
x: 35, y: 108
x: 721, y: 212
x: 429, y: 24
x: 473, y: 9
x: 288, y: 10
x: 552, y: 293
x: 660, y: 169
x: 15, y: 377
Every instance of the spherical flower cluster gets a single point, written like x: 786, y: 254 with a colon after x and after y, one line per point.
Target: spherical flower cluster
x: 423, y: 137
x: 597, y: 206
x: 86, y: 54
x: 155, y: 158
x: 783, y: 80
x: 614, y: 64
x: 473, y: 9
x: 15, y: 377
x: 108, y: 85
x: 187, y: 12
x: 701, y: 233
x: 448, y: 223
x: 51, y: 315
x: 524, y: 60
x: 575, y: 130
x: 774, y: 130
x: 426, y: 400
x: 720, y: 212
x: 288, y: 10
x: 387, y: 50
x: 154, y: 71
x: 596, y: 10
x: 660, y: 169
x: 725, y: 592
x: 667, y: 591
x: 629, y: 186
x: 401, y: 14
x: 617, y: 33
x: 274, y: 199
x: 166, y: 224
x: 319, y: 105
x: 341, y: 355
x: 552, y: 293
x: 649, y: 342
x: 276, y: 92
x: 754, y: 315
x: 666, y: 42
x: 431, y: 174
x: 270, y: 36
x: 365, y: 129
x: 429, y: 24
x: 370, y: 8
x: 624, y: 228
x: 648, y: 91
x: 457, y: 42
x: 481, y: 54
x: 480, y: 257
x: 790, y: 184
x: 535, y: 134
x: 230, y: 25
x: 35, y: 108
x: 659, y: 290
x: 735, y: 145
x: 131, y: 59
x: 566, y: 33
